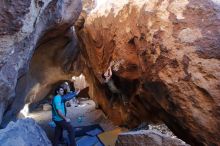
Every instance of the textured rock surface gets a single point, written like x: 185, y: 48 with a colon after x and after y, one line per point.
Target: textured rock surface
x: 25, y: 132
x: 24, y: 26
x: 170, y: 67
x: 147, y: 138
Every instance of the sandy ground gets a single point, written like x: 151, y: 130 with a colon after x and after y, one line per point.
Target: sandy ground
x: 86, y: 110
x: 89, y: 116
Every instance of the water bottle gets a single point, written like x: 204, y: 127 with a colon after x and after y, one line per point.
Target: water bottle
x: 52, y: 124
x: 79, y: 119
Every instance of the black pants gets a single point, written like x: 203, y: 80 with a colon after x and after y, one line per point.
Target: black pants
x: 60, y: 125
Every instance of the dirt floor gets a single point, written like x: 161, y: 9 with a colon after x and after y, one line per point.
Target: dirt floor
x: 82, y: 115
x: 85, y: 114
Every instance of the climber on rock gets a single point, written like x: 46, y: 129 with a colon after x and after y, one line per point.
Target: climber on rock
x: 107, y: 76
x: 59, y: 115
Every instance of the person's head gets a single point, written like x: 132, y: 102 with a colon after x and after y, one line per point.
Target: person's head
x: 59, y: 90
x: 66, y: 87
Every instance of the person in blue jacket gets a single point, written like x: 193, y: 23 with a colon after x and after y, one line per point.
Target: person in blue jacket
x: 68, y: 94
x: 59, y: 115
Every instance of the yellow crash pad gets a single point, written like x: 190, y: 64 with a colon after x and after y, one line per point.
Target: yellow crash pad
x: 109, y: 138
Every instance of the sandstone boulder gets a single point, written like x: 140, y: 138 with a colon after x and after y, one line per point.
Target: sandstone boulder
x: 147, y: 138
x: 24, y: 132
x: 47, y: 107
x: 168, y: 63
x: 28, y: 26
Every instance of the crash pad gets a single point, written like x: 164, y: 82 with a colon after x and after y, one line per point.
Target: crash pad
x: 109, y: 138
x: 87, y: 141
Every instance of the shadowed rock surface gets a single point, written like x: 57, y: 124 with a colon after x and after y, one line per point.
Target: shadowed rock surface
x: 25, y: 26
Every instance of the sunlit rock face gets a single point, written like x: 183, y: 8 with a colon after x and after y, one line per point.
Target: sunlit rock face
x: 169, y: 67
x: 24, y: 26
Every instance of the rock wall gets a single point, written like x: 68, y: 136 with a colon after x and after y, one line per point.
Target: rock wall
x: 24, y: 132
x: 147, y: 138
x: 168, y: 63
x: 24, y: 26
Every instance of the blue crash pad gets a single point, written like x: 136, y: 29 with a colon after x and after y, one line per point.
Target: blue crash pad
x: 94, y: 132
x: 87, y: 141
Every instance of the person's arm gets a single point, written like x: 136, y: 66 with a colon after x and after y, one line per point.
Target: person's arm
x: 70, y: 95
x: 110, y: 72
x: 109, y: 75
x: 61, y: 115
